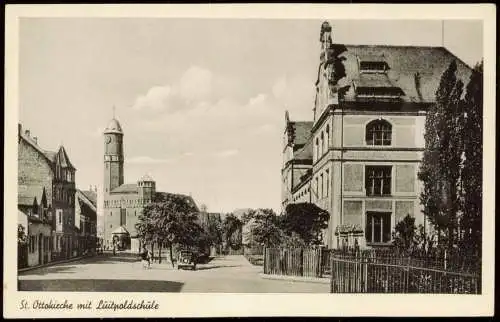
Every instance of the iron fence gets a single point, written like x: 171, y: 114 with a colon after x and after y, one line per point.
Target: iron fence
x: 389, y: 272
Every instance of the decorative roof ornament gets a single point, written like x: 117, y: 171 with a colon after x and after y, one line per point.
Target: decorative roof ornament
x: 113, y: 125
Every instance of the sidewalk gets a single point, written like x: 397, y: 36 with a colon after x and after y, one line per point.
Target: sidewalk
x: 53, y: 263
x: 321, y: 280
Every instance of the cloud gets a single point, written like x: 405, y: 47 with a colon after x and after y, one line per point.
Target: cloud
x: 226, y: 153
x: 147, y: 160
x: 208, y: 117
x: 156, y: 98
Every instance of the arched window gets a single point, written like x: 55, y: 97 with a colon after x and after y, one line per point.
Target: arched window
x: 378, y: 132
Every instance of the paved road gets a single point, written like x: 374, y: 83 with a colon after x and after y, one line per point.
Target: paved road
x: 123, y: 273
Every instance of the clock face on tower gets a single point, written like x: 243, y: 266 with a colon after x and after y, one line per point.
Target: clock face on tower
x: 108, y: 139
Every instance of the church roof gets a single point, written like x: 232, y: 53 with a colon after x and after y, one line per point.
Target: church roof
x: 126, y: 188
x: 114, y: 127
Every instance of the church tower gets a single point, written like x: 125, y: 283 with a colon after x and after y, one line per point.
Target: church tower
x: 113, y: 156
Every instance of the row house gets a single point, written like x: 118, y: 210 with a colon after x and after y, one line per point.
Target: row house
x: 86, y: 220
x: 367, y: 135
x: 46, y: 195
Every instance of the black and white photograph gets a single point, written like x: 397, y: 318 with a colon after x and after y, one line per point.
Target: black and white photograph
x: 332, y: 156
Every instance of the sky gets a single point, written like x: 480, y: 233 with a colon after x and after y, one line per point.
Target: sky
x: 201, y: 101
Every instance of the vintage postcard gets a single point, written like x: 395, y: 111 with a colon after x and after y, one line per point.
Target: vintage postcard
x: 249, y: 160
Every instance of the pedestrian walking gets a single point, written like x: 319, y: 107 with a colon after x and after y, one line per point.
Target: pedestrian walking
x: 150, y: 258
x: 145, y: 258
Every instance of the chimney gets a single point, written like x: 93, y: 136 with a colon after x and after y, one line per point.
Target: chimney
x: 20, y: 128
x: 27, y: 133
x: 35, y: 139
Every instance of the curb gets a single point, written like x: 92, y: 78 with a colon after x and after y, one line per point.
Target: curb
x: 52, y: 264
x: 320, y: 280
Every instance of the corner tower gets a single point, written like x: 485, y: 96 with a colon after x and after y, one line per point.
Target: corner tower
x: 113, y: 156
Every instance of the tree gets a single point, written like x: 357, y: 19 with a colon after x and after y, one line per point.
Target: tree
x: 169, y: 220
x: 264, y: 227
x: 307, y: 220
x: 404, y: 236
x: 232, y: 226
x: 472, y: 183
x: 441, y: 163
x: 22, y: 238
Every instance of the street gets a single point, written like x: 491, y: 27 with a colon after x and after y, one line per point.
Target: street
x: 124, y: 273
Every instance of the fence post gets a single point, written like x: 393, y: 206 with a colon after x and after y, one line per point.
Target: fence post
x: 320, y: 263
x: 265, y: 260
x: 331, y: 275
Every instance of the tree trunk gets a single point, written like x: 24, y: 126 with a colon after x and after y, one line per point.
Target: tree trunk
x: 152, y: 249
x: 159, y: 253
x: 171, y: 254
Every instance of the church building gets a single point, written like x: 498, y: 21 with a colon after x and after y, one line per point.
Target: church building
x: 123, y: 202
x: 361, y: 155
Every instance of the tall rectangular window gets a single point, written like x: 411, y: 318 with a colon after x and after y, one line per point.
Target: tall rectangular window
x: 317, y: 188
x: 321, y: 185
x: 378, y: 180
x: 327, y: 188
x: 378, y: 227
x: 123, y: 217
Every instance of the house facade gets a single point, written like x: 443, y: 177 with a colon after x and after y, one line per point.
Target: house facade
x: 46, y: 195
x: 368, y: 135
x: 86, y: 220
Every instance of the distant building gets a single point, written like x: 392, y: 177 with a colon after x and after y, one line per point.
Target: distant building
x: 86, y: 220
x: 367, y: 137
x: 123, y: 202
x: 46, y: 194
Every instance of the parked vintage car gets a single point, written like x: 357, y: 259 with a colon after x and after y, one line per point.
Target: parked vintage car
x: 187, y: 258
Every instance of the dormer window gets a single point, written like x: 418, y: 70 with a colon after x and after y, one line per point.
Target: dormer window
x: 378, y: 92
x: 373, y: 66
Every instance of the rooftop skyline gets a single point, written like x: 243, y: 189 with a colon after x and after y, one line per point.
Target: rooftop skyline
x: 201, y: 102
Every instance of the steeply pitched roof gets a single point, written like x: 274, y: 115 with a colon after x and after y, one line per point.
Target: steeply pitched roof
x: 26, y: 194
x: 89, y: 198
x: 406, y: 64
x: 114, y: 127
x: 63, y: 159
x: 306, y: 152
x: 126, y: 188
x: 49, y: 155
x: 301, y: 132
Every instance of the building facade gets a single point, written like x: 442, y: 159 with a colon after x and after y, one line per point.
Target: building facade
x: 368, y: 134
x: 46, y: 194
x: 86, y: 220
x: 123, y: 203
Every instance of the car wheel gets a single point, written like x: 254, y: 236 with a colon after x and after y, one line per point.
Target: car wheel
x: 194, y: 267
